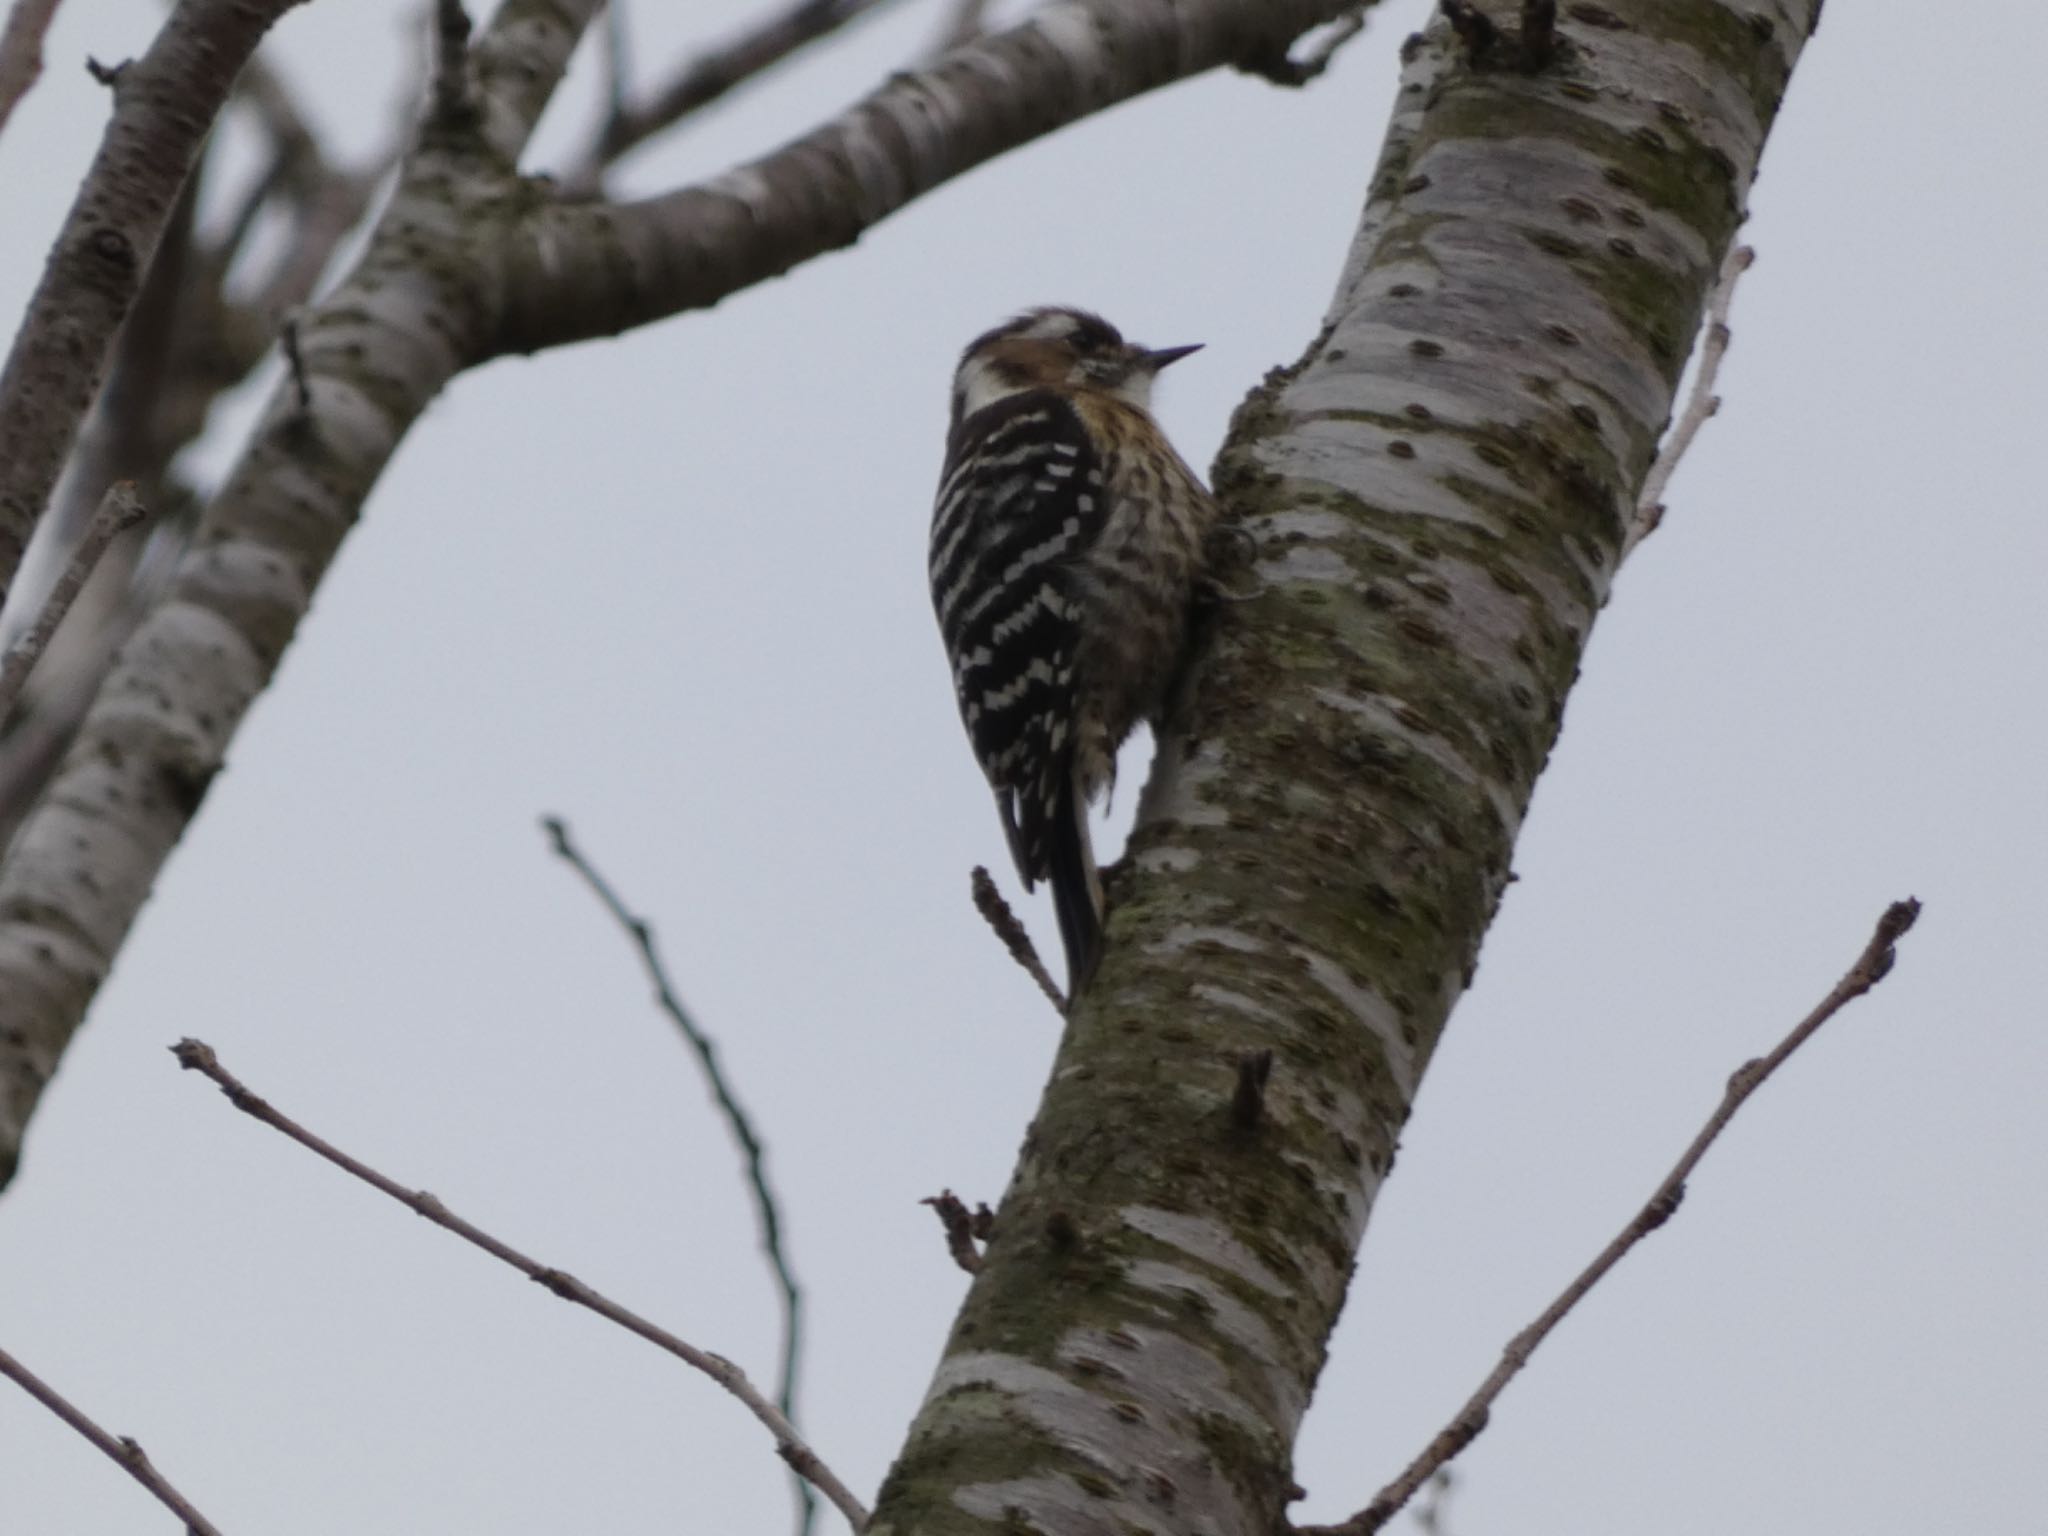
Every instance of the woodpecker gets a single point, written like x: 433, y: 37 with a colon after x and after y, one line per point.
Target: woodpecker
x: 1067, y: 541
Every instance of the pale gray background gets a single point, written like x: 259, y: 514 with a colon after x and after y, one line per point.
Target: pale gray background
x: 672, y: 586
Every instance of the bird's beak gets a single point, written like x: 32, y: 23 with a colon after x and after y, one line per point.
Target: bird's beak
x: 1154, y: 361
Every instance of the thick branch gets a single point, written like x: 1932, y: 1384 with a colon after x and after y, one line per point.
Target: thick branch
x: 1436, y: 495
x: 375, y: 353
x: 591, y: 270
x: 164, y: 106
x: 197, y: 1056
x: 459, y: 233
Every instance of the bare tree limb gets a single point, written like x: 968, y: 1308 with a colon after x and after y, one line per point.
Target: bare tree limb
x: 21, y: 51
x: 197, y: 1056
x: 706, y: 78
x: 122, y: 1451
x: 767, y: 1208
x: 584, y: 269
x: 376, y: 352
x: 1699, y: 405
x: 120, y: 510
x: 463, y: 267
x: 1871, y: 967
x: 164, y: 107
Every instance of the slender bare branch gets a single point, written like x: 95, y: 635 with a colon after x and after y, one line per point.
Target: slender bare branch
x: 21, y: 51
x: 451, y: 60
x: 767, y: 1208
x: 123, y: 1451
x: 1699, y: 405
x: 704, y: 79
x: 197, y: 1056
x: 121, y: 509
x: 164, y: 106
x: 1871, y: 967
x: 995, y: 911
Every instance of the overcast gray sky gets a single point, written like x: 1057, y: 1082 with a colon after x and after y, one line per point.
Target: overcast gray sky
x: 672, y: 587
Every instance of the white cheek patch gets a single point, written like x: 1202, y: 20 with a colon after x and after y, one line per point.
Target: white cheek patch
x: 978, y: 385
x: 1136, y: 388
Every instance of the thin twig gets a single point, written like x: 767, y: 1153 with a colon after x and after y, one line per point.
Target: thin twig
x: 120, y: 509
x: 988, y: 901
x: 21, y: 51
x: 451, y: 61
x: 766, y: 1207
x: 197, y: 1056
x: 962, y: 1227
x: 705, y: 79
x: 1283, y: 70
x: 124, y: 1452
x: 1871, y: 967
x: 1699, y: 405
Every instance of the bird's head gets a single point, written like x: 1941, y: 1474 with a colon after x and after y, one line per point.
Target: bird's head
x: 1063, y: 350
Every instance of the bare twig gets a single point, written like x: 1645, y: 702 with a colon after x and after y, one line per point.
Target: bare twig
x: 165, y: 108
x: 962, y: 1227
x: 1699, y: 405
x: 988, y: 901
x: 705, y: 79
x: 1284, y: 70
x: 197, y: 1056
x: 451, y: 61
x: 1871, y: 967
x: 766, y: 1207
x: 120, y: 509
x: 21, y: 51
x: 123, y: 1451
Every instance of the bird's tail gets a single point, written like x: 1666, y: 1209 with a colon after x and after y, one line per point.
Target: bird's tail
x: 1076, y: 889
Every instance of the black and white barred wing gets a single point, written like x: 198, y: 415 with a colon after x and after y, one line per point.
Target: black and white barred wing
x: 1018, y: 504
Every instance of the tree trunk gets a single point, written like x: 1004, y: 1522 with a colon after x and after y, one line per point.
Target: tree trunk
x: 1437, y: 494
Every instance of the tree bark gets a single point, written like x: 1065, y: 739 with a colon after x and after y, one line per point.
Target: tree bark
x: 1437, y: 493
x: 164, y: 107
x: 469, y: 261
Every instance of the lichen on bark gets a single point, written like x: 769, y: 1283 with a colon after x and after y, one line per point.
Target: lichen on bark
x: 1434, y: 499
